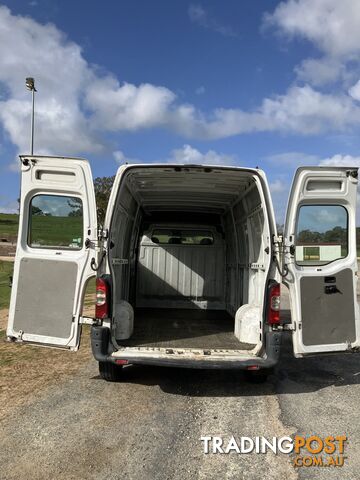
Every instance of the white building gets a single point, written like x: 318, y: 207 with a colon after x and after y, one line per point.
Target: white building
x: 321, y: 252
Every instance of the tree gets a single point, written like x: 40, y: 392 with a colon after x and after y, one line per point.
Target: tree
x: 76, y: 205
x: 102, y: 186
x: 36, y: 211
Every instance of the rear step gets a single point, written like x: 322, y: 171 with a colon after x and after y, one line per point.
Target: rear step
x: 186, y: 352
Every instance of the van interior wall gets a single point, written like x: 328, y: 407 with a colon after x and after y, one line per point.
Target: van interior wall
x: 181, y: 262
x: 243, y: 230
x: 245, y: 263
x: 122, y: 245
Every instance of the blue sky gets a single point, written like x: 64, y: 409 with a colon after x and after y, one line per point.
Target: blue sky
x: 266, y: 83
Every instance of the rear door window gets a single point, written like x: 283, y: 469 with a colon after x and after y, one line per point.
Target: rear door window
x: 321, y: 234
x: 182, y: 237
x: 56, y: 222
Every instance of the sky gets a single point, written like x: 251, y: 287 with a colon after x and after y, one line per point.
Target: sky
x: 267, y: 83
x: 321, y: 218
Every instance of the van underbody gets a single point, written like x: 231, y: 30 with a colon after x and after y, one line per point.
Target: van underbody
x: 188, y: 262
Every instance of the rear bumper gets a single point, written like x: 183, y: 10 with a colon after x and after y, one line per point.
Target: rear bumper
x: 102, y: 351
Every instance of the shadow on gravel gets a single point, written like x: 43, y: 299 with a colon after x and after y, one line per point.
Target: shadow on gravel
x: 292, y: 376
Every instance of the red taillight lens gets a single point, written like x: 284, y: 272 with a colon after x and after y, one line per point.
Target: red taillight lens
x: 101, y: 304
x: 274, y: 304
x: 120, y: 361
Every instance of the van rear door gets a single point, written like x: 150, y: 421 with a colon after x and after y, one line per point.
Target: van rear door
x: 321, y: 258
x: 56, y: 244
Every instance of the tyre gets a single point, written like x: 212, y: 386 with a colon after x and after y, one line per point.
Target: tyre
x: 110, y: 372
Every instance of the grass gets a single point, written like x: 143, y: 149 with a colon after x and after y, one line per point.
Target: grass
x: 56, y: 231
x: 45, y: 230
x: 8, y: 225
x: 6, y: 269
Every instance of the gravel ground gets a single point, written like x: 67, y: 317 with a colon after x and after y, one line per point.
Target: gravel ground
x: 149, y: 426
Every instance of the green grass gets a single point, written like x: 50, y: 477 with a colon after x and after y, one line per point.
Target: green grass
x: 9, y: 225
x: 45, y: 230
x: 56, y: 231
x: 6, y: 269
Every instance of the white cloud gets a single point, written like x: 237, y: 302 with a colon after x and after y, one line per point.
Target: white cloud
x: 127, y: 107
x: 121, y: 158
x: 293, y: 159
x: 332, y: 25
x: 340, y: 160
x: 8, y: 207
x: 188, y: 154
x: 299, y: 159
x: 320, y: 71
x: 278, y: 186
x: 28, y: 48
x: 306, y: 110
x: 200, y: 16
x: 354, y: 91
x: 301, y: 110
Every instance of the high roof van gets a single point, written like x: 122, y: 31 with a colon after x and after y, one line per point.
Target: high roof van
x: 188, y: 264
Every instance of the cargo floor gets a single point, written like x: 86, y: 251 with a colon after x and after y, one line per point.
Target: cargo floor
x: 182, y: 328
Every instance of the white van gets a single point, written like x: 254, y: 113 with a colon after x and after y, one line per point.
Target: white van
x: 188, y: 264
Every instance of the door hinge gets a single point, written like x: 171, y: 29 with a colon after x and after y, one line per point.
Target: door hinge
x: 89, y: 321
x: 103, y: 234
x: 352, y: 173
x: 278, y: 240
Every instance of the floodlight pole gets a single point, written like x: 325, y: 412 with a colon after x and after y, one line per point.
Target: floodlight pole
x: 30, y: 85
x: 32, y: 121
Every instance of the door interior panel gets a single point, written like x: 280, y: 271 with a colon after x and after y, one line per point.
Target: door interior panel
x: 328, y: 310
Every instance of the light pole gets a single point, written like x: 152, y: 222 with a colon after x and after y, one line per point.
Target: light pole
x: 30, y: 85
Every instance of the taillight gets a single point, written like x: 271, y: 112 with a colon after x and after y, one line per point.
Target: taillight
x: 273, y: 314
x: 101, y: 304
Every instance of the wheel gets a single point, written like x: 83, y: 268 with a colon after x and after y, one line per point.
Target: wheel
x: 257, y: 376
x: 110, y: 372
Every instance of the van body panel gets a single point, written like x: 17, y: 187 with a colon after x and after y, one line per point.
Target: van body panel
x: 51, y: 266
x: 322, y: 274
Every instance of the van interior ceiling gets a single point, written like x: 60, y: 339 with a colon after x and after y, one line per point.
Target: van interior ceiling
x: 189, y: 257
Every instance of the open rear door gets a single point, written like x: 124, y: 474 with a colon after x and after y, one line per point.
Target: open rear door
x: 321, y: 257
x: 56, y: 244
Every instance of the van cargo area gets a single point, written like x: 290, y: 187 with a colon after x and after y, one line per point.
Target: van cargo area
x: 189, y: 254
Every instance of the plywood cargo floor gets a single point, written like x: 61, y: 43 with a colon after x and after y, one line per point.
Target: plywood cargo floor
x: 184, y: 328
